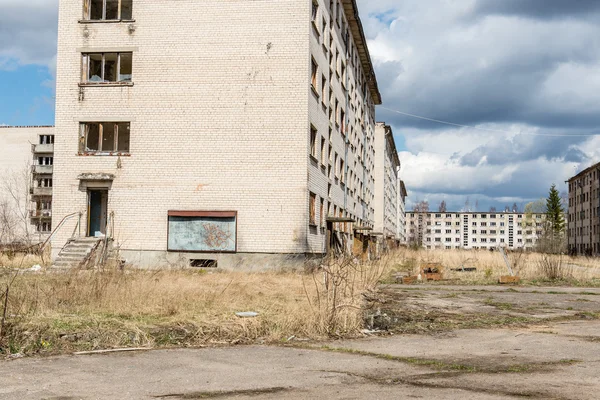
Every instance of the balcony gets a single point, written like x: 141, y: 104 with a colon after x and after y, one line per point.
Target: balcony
x: 43, y: 148
x: 40, y: 214
x: 43, y: 169
x: 42, y: 191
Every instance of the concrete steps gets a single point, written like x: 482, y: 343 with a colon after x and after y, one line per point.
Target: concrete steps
x: 75, y: 253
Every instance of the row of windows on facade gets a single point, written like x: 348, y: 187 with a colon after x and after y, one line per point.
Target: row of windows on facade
x: 585, y: 180
x: 458, y: 223
x: 483, y: 216
x: 335, y: 165
x: 481, y: 232
x: 481, y: 240
x: 581, y: 198
x: 333, y: 210
x: 335, y: 9
x: 584, y: 214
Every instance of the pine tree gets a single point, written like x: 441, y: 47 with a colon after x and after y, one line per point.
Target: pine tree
x: 555, y: 215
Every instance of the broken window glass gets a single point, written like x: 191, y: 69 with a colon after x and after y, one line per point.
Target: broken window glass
x: 126, y: 9
x: 123, y: 137
x: 95, y: 68
x: 96, y: 9
x: 126, y: 67
x: 112, y: 9
x: 110, y: 67
x: 92, y: 137
x: 108, y: 137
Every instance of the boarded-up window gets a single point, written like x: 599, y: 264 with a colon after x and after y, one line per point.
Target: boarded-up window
x: 312, y: 209
x: 202, y: 231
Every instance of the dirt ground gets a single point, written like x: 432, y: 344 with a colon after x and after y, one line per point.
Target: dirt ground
x: 428, y: 342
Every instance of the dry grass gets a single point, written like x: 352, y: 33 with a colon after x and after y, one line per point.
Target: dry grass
x: 85, y: 310
x: 490, y: 265
x: 20, y: 261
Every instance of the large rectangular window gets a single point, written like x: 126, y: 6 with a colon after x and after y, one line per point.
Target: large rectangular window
x: 202, y: 231
x: 110, y: 10
x: 104, y: 138
x: 106, y: 67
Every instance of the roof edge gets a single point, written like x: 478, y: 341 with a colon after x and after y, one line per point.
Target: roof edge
x: 361, y: 41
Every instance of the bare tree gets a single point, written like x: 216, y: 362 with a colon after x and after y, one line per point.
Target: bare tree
x: 492, y: 209
x: 515, y: 207
x: 421, y: 206
x: 443, y: 208
x: 15, y: 199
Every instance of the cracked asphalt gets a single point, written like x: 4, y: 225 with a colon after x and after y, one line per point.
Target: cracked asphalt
x: 557, y: 357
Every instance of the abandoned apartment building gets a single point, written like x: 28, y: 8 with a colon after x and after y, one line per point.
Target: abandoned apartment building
x: 26, y: 162
x: 390, y: 192
x: 583, y: 221
x: 473, y: 230
x: 232, y: 133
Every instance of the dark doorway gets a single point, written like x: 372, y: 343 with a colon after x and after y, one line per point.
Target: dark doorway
x: 97, y: 210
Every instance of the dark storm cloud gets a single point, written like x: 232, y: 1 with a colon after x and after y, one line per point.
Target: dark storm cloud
x: 501, y: 151
x: 539, y: 9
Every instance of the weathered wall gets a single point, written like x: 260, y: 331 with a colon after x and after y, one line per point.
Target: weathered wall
x: 218, y: 112
x: 351, y: 139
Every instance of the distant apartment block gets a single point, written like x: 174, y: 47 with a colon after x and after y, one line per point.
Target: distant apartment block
x: 462, y: 230
x: 401, y: 215
x: 26, y: 158
x: 41, y: 186
x: 387, y: 182
x: 239, y: 133
x: 583, y: 222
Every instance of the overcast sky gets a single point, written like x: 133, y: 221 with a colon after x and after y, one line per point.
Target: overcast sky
x: 525, y: 72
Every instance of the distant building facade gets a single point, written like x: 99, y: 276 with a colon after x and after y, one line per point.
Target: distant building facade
x: 583, y: 221
x: 387, y: 182
x: 26, y: 170
x: 472, y: 230
x: 235, y: 131
x: 401, y: 215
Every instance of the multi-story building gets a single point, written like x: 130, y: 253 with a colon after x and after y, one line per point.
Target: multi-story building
x: 583, y: 222
x: 387, y: 169
x: 25, y: 185
x: 42, y: 167
x: 214, y: 130
x: 472, y: 230
x: 401, y: 214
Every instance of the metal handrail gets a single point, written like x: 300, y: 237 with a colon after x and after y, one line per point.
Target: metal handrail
x: 110, y: 226
x: 60, y: 224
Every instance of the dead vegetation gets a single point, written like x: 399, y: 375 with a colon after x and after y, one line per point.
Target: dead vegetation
x: 55, y: 312
x: 80, y: 310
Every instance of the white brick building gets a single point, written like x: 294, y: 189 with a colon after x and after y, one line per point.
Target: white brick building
x: 226, y: 130
x: 387, y: 185
x: 470, y: 230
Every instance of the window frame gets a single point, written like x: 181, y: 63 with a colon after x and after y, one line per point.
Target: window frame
x: 83, y: 139
x: 87, y: 12
x: 85, y: 69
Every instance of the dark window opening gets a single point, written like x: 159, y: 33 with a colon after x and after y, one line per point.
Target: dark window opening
x: 203, y: 263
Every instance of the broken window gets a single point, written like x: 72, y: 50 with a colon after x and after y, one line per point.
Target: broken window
x: 106, y: 67
x: 313, y: 74
x: 112, y: 10
x: 104, y: 137
x: 313, y: 141
x: 311, y: 209
x: 46, y: 139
